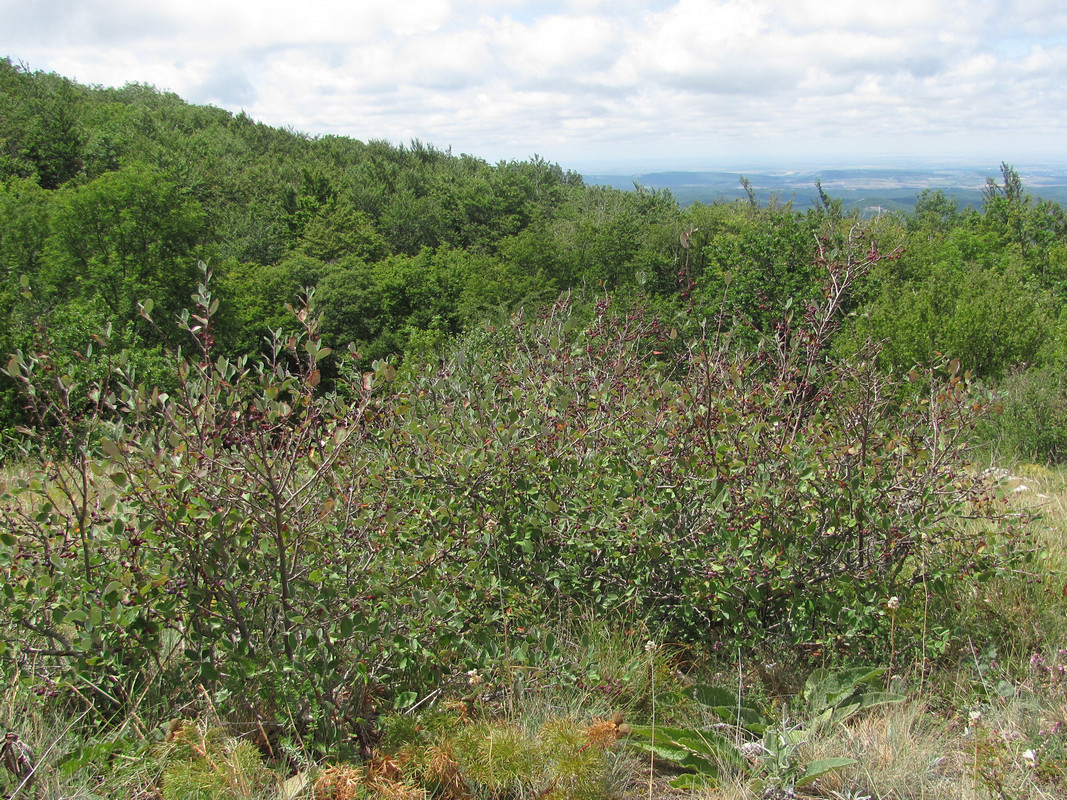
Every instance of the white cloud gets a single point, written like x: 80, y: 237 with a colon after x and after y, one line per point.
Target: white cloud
x: 899, y: 15
x: 270, y: 22
x: 552, y: 46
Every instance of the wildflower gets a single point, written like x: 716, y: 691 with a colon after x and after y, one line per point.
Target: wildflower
x: 473, y: 678
x: 752, y: 751
x: 650, y: 646
x: 1030, y: 757
x: 976, y: 716
x: 894, y: 603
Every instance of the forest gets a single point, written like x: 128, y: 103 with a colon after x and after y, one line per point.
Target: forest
x: 344, y: 469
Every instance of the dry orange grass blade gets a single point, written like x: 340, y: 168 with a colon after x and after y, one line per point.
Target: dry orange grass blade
x: 340, y: 782
x: 382, y: 778
x: 603, y: 733
x: 444, y: 769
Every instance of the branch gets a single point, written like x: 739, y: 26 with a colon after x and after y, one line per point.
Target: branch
x: 55, y: 637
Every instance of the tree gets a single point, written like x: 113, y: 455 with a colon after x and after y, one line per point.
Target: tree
x: 122, y: 238
x: 1006, y: 204
x: 934, y: 212
x: 55, y: 141
x: 338, y: 230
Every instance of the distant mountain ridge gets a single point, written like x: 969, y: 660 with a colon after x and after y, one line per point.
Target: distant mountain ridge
x: 874, y: 190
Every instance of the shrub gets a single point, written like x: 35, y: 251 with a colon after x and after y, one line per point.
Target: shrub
x: 216, y: 534
x: 1030, y: 422
x: 730, y: 496
x: 308, y: 555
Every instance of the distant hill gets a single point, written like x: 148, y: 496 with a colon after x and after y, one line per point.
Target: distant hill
x: 871, y: 190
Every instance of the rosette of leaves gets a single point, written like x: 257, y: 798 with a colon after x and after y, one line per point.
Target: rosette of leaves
x: 707, y: 755
x: 772, y: 760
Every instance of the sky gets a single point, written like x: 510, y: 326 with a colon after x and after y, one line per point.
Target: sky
x: 698, y: 84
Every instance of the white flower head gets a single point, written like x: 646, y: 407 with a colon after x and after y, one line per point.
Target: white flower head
x: 753, y: 750
x: 894, y: 603
x: 650, y: 646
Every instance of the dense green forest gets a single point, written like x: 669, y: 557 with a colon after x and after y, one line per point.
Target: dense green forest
x: 312, y: 429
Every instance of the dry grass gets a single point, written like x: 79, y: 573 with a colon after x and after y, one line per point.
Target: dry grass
x: 381, y: 780
x: 905, y: 752
x: 902, y: 752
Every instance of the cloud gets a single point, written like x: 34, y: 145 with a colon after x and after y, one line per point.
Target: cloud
x: 271, y: 22
x: 227, y: 84
x: 567, y: 47
x: 898, y: 16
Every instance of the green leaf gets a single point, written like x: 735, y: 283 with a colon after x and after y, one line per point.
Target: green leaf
x: 723, y: 703
x: 694, y: 783
x: 709, y: 747
x: 872, y: 699
x: 90, y: 754
x: 714, y: 696
x: 816, y: 769
x: 662, y: 749
x: 823, y: 690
